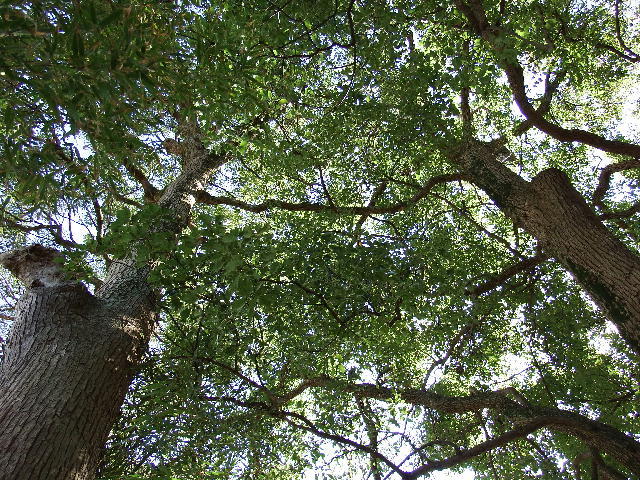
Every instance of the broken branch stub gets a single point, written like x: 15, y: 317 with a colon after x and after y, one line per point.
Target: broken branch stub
x: 36, y: 266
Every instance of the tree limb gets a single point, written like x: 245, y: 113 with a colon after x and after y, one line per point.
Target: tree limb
x: 150, y: 192
x: 550, y: 88
x: 308, y: 426
x: 524, y: 266
x: 476, y: 15
x: 604, y: 180
x: 270, y: 204
x: 377, y: 193
x: 484, y: 447
x: 620, y: 214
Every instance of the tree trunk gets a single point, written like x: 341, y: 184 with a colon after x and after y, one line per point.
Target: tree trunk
x: 71, y: 355
x: 66, y: 370
x: 555, y: 213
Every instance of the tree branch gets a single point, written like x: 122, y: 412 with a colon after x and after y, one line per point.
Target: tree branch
x: 308, y: 426
x: 620, y: 214
x: 150, y: 192
x: 487, y: 446
x: 273, y: 398
x: 550, y: 88
x: 476, y: 15
x: 494, y: 282
x: 604, y: 180
x: 628, y: 53
x: 507, y: 402
x: 270, y: 204
x: 54, y: 230
x: 377, y: 193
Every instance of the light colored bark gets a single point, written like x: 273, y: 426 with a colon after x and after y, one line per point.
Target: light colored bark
x: 71, y: 355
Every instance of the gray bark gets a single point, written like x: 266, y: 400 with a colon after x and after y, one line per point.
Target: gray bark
x: 555, y: 213
x: 67, y: 367
x: 71, y: 355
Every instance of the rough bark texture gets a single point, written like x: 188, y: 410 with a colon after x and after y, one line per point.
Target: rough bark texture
x: 554, y: 212
x: 67, y: 368
x: 71, y: 355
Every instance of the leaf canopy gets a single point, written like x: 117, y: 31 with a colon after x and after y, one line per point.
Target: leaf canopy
x: 320, y: 259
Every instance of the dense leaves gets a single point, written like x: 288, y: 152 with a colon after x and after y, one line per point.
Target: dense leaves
x: 281, y: 306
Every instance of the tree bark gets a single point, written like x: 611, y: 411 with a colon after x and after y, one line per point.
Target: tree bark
x: 71, y: 355
x: 66, y: 370
x: 555, y: 213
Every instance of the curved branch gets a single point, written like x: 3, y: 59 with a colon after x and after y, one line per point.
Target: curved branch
x: 507, y: 402
x: 550, y: 88
x: 620, y: 214
x: 628, y: 53
x: 270, y: 204
x: 479, y: 449
x: 604, y: 180
x: 151, y: 193
x: 615, y: 443
x: 308, y: 426
x: 525, y: 265
x: 515, y: 76
x: 474, y: 11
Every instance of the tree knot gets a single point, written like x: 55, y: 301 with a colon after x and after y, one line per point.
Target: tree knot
x: 35, y: 266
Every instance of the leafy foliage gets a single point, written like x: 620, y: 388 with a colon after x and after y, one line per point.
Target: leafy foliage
x: 273, y: 320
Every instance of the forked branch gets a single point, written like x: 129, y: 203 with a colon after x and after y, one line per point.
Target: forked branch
x: 494, y: 35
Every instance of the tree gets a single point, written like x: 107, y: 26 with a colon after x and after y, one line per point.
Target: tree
x: 349, y: 250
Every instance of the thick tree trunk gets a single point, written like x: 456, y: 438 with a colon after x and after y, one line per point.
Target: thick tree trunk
x: 72, y: 355
x: 554, y: 212
x: 66, y: 370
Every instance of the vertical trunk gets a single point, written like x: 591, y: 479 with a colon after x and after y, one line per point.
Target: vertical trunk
x: 554, y: 212
x: 66, y: 370
x: 72, y: 355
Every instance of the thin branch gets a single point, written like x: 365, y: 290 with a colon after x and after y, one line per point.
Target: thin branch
x: 484, y: 447
x: 325, y: 189
x: 372, y: 432
x: 453, y: 346
x: 273, y: 399
x: 54, y: 230
x: 270, y: 204
x: 630, y: 54
x: 151, y: 193
x: 465, y: 93
x: 483, y: 425
x: 377, y: 193
x: 604, y: 180
x: 480, y: 227
x: 308, y: 426
x: 621, y: 214
x: 525, y: 265
x: 124, y: 199
x: 312, y: 292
